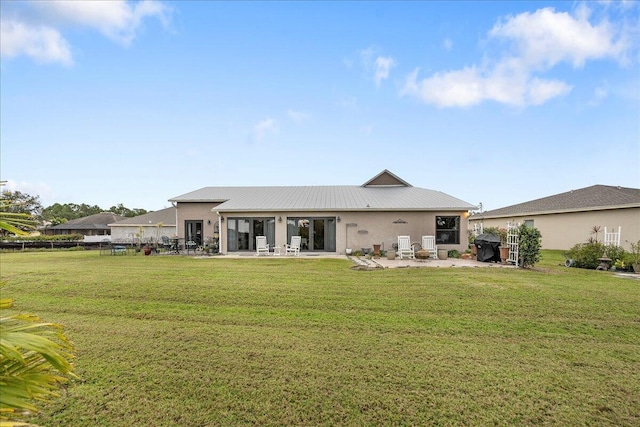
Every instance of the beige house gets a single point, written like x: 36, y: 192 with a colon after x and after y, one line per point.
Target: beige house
x: 328, y: 218
x: 149, y: 227
x: 569, y: 218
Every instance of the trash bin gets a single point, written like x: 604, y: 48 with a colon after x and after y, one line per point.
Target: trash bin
x: 488, y: 246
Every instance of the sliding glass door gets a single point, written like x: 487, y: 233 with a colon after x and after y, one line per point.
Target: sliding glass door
x: 242, y: 232
x: 317, y: 234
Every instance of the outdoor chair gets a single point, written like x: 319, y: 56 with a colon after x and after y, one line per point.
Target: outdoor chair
x: 405, y: 248
x: 294, y: 247
x: 165, y: 242
x: 262, y: 247
x: 190, y: 245
x: 429, y: 245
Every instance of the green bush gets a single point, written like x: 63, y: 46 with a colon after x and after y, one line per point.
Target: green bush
x: 585, y: 255
x: 529, y: 245
x: 44, y: 238
x: 453, y: 254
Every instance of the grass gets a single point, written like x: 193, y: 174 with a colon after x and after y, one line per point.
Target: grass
x: 178, y: 341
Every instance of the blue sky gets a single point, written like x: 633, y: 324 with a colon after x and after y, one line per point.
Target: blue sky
x: 493, y: 102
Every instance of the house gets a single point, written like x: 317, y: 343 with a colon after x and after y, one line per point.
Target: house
x: 569, y: 218
x: 93, y: 227
x: 149, y: 227
x: 328, y: 218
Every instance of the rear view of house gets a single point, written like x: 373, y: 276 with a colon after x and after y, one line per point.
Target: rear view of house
x: 327, y: 218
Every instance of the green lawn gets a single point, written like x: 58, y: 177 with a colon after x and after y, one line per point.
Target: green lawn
x: 178, y: 341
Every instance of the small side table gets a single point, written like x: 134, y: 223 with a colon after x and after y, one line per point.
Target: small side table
x: 276, y: 250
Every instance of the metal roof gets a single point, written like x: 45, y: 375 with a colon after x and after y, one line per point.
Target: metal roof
x: 165, y: 216
x: 596, y: 197
x: 324, y: 198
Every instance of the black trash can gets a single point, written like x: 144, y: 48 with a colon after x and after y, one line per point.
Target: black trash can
x: 488, y: 248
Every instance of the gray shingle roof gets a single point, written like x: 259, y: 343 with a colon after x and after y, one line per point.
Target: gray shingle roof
x: 165, y: 216
x: 98, y: 221
x: 596, y: 197
x: 324, y: 198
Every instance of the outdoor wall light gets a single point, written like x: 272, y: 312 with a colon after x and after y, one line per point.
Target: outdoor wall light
x: 338, y: 219
x: 208, y: 222
x: 279, y: 219
x: 221, y: 219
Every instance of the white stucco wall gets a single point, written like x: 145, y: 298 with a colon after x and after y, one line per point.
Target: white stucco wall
x: 130, y: 233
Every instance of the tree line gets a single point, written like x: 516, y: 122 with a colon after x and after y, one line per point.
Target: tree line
x: 23, y: 203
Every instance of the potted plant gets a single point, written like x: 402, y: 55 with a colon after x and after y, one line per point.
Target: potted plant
x: 472, y: 244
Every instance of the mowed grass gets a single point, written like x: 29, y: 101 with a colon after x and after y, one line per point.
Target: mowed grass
x: 178, y: 341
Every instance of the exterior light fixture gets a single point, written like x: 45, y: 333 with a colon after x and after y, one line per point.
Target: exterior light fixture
x: 279, y: 219
x: 338, y: 219
x: 208, y: 222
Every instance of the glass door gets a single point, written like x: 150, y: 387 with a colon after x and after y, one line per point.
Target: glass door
x: 317, y: 234
x: 193, y: 231
x: 317, y: 241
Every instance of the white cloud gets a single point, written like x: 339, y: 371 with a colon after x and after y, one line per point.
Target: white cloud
x: 297, y: 116
x: 379, y: 67
x: 546, y: 37
x: 37, y: 32
x: 116, y: 19
x: 42, y: 190
x: 447, y: 44
x: 599, y: 94
x: 43, y: 44
x: 383, y: 66
x: 536, y: 43
x: 263, y: 128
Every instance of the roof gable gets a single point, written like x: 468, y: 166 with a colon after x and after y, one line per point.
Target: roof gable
x: 386, y: 179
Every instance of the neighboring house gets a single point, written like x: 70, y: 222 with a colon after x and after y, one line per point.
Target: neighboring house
x: 569, y: 218
x: 328, y: 218
x: 89, y: 226
x: 148, y: 227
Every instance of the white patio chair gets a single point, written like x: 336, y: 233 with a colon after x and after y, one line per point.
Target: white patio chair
x: 612, y: 238
x: 262, y: 247
x: 405, y: 248
x: 294, y: 247
x: 429, y: 245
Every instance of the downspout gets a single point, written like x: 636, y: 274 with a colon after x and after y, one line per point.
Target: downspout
x: 175, y: 205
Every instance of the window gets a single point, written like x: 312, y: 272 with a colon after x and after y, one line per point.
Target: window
x: 448, y: 230
x: 528, y: 223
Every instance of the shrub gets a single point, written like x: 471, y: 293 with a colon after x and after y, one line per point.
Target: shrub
x: 500, y: 232
x: 529, y: 245
x: 453, y: 254
x: 46, y: 238
x: 585, y: 255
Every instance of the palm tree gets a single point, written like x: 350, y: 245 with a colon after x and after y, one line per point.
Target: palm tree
x: 34, y: 356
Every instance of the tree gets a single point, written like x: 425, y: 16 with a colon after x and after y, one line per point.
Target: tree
x: 34, y: 356
x: 120, y: 209
x: 34, y: 361
x: 17, y: 212
x: 14, y: 222
x: 61, y: 213
x: 529, y: 245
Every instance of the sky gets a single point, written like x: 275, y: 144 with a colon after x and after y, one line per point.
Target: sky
x: 137, y: 102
